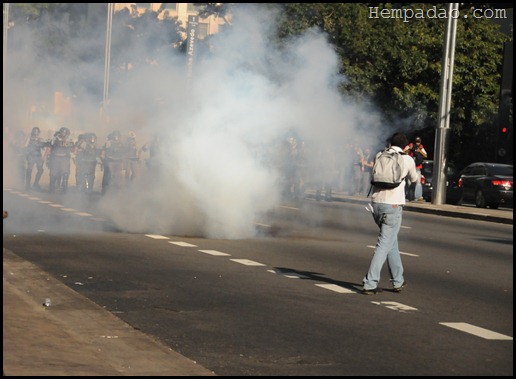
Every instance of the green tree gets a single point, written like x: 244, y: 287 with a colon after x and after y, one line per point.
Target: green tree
x: 397, y: 65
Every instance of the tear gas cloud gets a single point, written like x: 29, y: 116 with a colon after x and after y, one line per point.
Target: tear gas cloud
x: 221, y: 131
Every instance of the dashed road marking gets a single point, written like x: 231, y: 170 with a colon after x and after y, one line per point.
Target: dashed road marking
x: 56, y: 205
x: 215, y: 252
x: 183, y: 244
x: 247, y: 262
x: 290, y: 275
x: 69, y: 210
x: 262, y: 225
x: 336, y: 288
x: 34, y: 198
x: 45, y: 202
x: 476, y: 331
x: 395, y: 306
x: 83, y: 214
x: 157, y: 237
x: 291, y: 208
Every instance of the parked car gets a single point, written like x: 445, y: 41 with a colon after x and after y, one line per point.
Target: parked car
x: 487, y: 184
x: 453, y: 192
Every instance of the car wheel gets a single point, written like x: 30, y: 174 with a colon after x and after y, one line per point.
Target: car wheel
x: 494, y: 205
x: 480, y: 200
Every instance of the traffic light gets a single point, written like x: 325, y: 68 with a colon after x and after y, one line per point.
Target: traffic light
x: 505, y: 144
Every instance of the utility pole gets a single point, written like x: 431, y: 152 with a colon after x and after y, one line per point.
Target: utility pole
x: 105, y: 98
x: 443, y: 122
x: 4, y: 73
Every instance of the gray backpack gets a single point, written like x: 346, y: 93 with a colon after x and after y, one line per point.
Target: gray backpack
x: 388, y: 169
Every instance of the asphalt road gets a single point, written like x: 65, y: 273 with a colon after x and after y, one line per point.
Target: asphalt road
x: 287, y: 302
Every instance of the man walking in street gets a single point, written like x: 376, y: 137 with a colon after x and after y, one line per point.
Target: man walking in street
x: 387, y: 207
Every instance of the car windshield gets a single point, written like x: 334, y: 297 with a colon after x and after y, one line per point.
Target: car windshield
x: 428, y: 168
x: 500, y: 170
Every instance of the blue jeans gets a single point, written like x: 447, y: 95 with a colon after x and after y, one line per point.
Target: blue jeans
x: 388, y: 218
x: 414, y: 190
x: 418, y: 193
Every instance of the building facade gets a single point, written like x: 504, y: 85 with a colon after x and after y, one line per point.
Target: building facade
x: 207, y: 26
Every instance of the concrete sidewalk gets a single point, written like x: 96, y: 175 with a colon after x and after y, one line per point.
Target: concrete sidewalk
x: 76, y: 337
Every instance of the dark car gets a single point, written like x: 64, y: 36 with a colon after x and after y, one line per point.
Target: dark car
x: 487, y: 184
x: 453, y: 192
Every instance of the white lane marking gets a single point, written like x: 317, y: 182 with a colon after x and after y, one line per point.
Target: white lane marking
x: 260, y: 224
x: 247, y: 262
x: 24, y: 194
x: 405, y: 227
x: 401, y: 252
x: 69, y: 210
x: 157, y: 237
x: 83, y: 214
x: 56, y: 205
x: 215, y: 252
x: 292, y: 208
x: 45, y: 202
x: 409, y: 254
x: 34, y: 198
x: 477, y: 331
x: 290, y: 275
x: 336, y: 288
x: 395, y: 306
x: 183, y: 244
x: 16, y: 192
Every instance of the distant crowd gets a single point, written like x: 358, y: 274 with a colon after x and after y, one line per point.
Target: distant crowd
x: 120, y: 159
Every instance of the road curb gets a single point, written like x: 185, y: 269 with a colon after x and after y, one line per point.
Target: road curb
x: 442, y: 210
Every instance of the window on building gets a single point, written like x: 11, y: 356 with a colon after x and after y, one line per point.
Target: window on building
x: 191, y: 8
x: 171, y: 6
x: 203, y: 30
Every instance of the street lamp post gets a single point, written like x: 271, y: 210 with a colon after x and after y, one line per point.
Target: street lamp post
x: 443, y: 127
x: 105, y: 98
x: 4, y: 71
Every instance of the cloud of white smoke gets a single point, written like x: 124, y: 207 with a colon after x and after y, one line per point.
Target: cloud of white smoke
x: 221, y: 132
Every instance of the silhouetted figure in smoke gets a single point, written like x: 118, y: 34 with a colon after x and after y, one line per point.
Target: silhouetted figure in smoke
x: 358, y: 170
x: 367, y: 169
x: 324, y: 173
x: 79, y: 167
x: 131, y: 158
x: 86, y: 158
x: 61, y: 147
x: 17, y: 150
x: 36, y: 146
x: 290, y: 166
x: 154, y: 151
x: 112, y: 155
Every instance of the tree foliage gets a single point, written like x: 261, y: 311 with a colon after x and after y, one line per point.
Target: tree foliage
x: 397, y: 66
